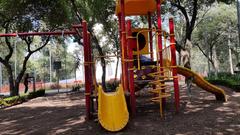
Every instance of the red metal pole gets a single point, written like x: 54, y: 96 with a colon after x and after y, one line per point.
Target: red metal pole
x: 90, y: 59
x: 131, y: 74
x: 159, y: 22
x: 174, y: 71
x: 87, y: 68
x: 91, y: 71
x: 150, y: 35
x: 124, y: 45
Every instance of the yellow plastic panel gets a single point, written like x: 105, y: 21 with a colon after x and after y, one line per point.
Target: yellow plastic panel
x: 143, y: 32
x: 112, y: 109
x: 220, y: 93
x: 137, y: 7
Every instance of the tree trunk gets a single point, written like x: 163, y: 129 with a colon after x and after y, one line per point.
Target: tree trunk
x: 102, y: 59
x: 12, y: 87
x: 185, y: 55
x: 215, y: 61
x: 103, y: 63
x: 116, y: 70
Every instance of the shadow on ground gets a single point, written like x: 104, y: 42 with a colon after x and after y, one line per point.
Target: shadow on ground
x: 65, y: 114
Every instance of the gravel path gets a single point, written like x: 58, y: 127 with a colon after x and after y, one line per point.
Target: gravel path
x: 64, y: 114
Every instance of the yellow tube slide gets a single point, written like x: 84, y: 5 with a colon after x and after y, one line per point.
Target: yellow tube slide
x: 219, y: 93
x: 112, y: 109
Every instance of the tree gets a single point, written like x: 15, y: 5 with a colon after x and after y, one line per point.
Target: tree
x: 28, y: 16
x: 211, y: 36
x: 189, y: 9
x: 90, y: 10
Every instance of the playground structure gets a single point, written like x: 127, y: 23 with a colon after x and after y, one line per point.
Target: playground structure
x: 136, y: 43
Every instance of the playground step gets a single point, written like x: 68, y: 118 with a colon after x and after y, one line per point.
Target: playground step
x: 158, y: 90
x: 160, y: 101
x: 142, y: 81
x: 157, y: 73
x: 161, y: 96
x: 159, y: 82
x: 167, y: 77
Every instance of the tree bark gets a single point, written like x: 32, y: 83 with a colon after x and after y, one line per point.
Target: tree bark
x: 215, y: 61
x: 188, y: 30
x: 102, y: 59
x: 12, y: 86
x: 116, y: 70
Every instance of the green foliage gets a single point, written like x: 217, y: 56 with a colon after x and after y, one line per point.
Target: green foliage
x: 77, y: 87
x: 10, y: 101
x: 28, y: 14
x: 13, y: 100
x: 38, y: 93
x: 226, y: 79
x: 212, y: 33
x: 41, y: 64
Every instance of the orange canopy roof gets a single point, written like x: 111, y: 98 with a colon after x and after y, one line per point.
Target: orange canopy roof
x: 137, y: 7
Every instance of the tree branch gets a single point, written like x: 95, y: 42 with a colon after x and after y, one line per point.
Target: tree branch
x: 205, y: 13
x: 7, y: 58
x: 183, y: 10
x: 185, y: 14
x: 29, y: 42
x: 76, y: 10
x: 179, y: 2
x: 46, y: 42
x: 1, y: 60
x: 195, y: 11
x: 203, y: 52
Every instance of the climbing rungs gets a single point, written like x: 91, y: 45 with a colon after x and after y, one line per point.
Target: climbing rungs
x: 157, y: 99
x: 157, y: 73
x: 142, y: 81
x: 159, y: 89
x: 163, y: 95
x: 162, y: 87
x: 142, y: 68
x: 159, y: 82
x: 154, y: 91
x: 167, y: 76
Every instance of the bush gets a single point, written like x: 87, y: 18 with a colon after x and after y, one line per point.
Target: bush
x: 76, y: 87
x: 226, y: 79
x: 10, y: 101
x: 35, y: 94
x: 13, y: 100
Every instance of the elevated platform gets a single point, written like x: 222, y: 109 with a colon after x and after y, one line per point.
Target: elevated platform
x: 137, y: 7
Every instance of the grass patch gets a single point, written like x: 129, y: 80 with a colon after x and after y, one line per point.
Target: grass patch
x: 10, y: 101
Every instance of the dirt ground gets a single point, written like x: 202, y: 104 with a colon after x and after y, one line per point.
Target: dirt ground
x: 65, y: 114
